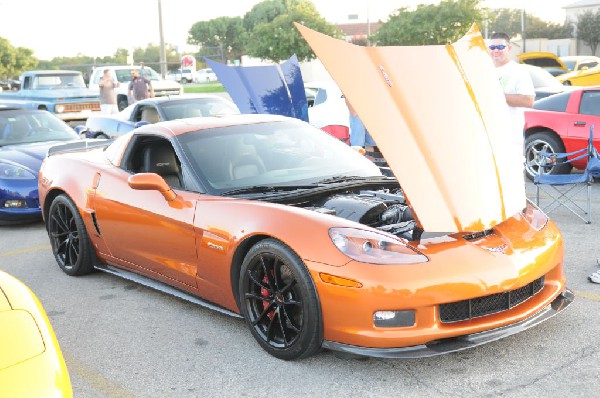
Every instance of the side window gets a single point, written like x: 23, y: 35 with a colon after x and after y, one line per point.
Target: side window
x: 27, y: 82
x: 590, y: 103
x: 588, y: 64
x: 152, y: 154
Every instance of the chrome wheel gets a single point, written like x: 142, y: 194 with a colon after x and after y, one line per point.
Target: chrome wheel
x: 536, y: 144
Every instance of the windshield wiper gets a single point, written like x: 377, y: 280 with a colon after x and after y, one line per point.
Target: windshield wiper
x: 336, y: 179
x: 267, y: 188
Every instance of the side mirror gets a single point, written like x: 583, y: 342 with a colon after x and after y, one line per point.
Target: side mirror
x: 151, y: 182
x: 81, y: 131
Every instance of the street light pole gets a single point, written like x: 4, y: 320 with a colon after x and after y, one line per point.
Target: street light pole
x: 163, y: 55
x: 523, y: 27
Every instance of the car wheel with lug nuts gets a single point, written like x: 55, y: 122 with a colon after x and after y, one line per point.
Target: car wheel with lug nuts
x: 279, y: 301
x: 68, y: 237
x: 543, y: 142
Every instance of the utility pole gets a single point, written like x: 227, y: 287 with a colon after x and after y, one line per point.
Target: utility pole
x: 523, y: 27
x: 163, y: 55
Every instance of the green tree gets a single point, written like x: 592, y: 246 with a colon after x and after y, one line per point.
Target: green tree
x: 264, y: 12
x: 442, y: 23
x: 278, y: 39
x: 588, y: 29
x: 13, y: 60
x: 225, y: 33
x: 509, y: 20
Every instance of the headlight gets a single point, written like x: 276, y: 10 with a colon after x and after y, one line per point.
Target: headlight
x: 373, y: 248
x: 534, y: 216
x: 59, y: 108
x: 15, y: 172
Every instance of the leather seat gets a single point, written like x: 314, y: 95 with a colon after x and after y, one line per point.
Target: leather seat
x: 159, y: 158
x: 150, y: 115
x: 245, y: 163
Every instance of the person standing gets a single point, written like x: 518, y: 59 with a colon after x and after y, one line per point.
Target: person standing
x: 516, y: 84
x: 140, y: 87
x: 108, y: 99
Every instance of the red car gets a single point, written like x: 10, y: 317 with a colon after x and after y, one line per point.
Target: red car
x: 561, y: 123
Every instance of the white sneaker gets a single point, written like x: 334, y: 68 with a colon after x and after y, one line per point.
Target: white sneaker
x: 595, y: 277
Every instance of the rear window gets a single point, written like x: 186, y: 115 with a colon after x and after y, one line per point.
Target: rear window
x: 556, y: 102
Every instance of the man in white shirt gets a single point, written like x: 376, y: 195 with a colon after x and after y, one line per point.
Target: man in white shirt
x: 515, y: 81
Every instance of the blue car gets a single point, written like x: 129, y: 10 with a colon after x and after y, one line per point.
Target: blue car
x: 25, y: 137
x: 159, y: 109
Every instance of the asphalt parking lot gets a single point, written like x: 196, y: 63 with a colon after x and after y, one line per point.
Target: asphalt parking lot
x: 124, y: 340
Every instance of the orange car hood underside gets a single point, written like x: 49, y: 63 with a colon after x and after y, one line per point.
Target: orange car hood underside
x: 439, y: 117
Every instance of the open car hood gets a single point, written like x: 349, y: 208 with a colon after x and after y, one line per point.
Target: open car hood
x: 542, y: 59
x: 440, y: 123
x: 274, y: 89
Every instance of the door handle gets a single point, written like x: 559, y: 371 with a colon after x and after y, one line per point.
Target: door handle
x: 580, y: 123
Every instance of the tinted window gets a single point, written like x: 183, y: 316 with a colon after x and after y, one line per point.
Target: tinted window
x: 20, y: 127
x: 556, y: 102
x: 587, y: 64
x: 590, y: 103
x: 272, y: 153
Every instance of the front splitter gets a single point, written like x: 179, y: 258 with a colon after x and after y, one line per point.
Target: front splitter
x: 459, y: 343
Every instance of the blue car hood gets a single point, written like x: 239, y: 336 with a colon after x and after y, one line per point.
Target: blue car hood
x: 272, y: 89
x: 28, y: 155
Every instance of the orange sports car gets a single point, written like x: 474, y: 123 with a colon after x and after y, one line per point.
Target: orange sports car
x: 271, y: 219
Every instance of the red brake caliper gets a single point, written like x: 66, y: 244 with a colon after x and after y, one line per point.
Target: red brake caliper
x: 265, y: 293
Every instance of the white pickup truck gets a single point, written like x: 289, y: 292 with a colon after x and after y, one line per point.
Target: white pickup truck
x: 162, y: 87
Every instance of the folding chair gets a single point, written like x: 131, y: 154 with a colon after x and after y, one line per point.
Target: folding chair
x: 562, y: 188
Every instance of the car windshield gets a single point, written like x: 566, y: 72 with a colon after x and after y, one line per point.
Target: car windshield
x: 569, y: 64
x: 74, y: 80
x: 272, y: 154
x: 23, y: 127
x: 124, y: 75
x: 198, y: 107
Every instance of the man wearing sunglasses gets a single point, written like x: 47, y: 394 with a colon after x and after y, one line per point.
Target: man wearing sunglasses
x: 515, y: 81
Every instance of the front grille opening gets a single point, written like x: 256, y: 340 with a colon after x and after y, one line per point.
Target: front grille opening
x: 492, y: 304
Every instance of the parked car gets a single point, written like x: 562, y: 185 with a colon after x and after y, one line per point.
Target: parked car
x: 327, y: 108
x: 269, y: 218
x: 582, y: 77
x: 550, y: 62
x: 544, y: 83
x: 205, y: 75
x: 189, y: 75
x: 162, y: 87
x: 25, y: 136
x: 153, y: 110
x: 31, y: 361
x: 580, y: 62
x: 10, y: 85
x: 561, y: 123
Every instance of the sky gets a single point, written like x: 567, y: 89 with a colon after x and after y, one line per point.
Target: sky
x: 53, y: 28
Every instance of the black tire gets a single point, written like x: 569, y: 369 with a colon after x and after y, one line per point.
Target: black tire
x: 274, y: 286
x: 122, y: 103
x: 184, y: 80
x: 566, y: 83
x: 543, y: 142
x: 68, y: 238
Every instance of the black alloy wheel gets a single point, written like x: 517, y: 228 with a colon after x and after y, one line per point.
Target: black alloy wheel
x: 279, y: 301
x: 68, y: 238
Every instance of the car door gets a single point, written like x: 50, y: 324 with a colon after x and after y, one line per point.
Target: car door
x: 588, y: 114
x: 141, y: 228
